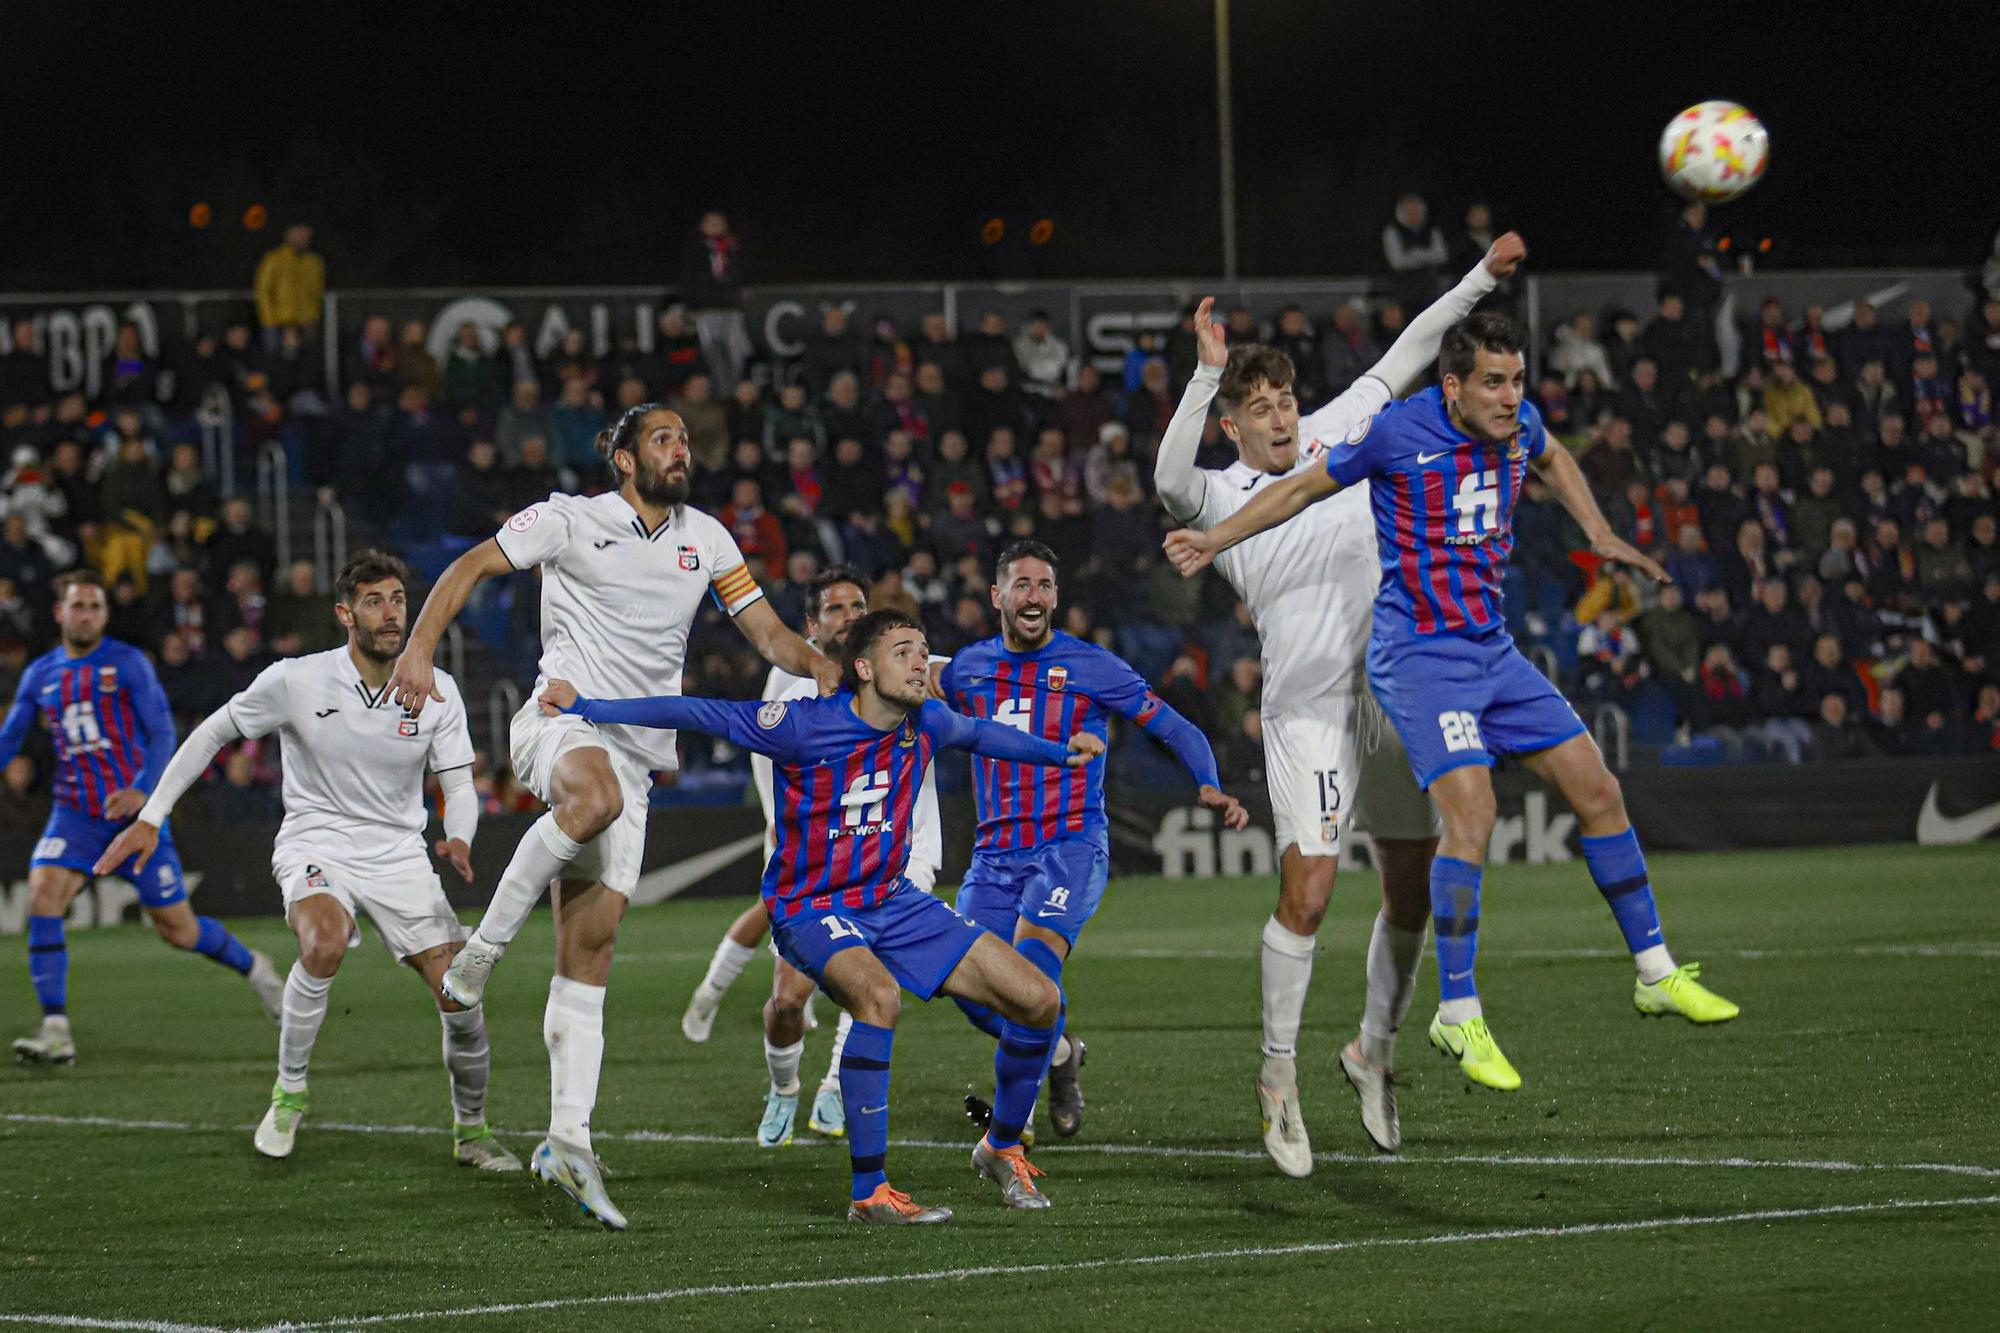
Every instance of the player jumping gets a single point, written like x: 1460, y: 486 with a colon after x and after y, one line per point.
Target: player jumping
x: 1447, y: 467
x: 1043, y: 853
x: 1309, y: 586
x: 623, y: 574
x: 113, y: 732
x: 848, y: 770
x: 353, y: 837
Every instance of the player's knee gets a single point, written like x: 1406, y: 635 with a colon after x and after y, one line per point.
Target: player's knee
x: 321, y: 954
x: 588, y: 812
x: 880, y: 1003
x: 784, y: 1023
x: 1044, y: 1004
x: 46, y: 896
x: 176, y: 929
x: 1303, y: 894
x: 1600, y: 798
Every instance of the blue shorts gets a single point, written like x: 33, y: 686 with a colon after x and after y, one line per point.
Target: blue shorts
x: 75, y: 840
x: 1057, y: 885
x: 917, y: 937
x: 1458, y: 701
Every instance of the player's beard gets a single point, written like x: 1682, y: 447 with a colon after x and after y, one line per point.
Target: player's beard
x: 370, y: 644
x: 1036, y: 636
x: 657, y: 488
x: 79, y: 645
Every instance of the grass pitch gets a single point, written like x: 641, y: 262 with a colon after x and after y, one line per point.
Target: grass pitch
x: 1830, y: 1159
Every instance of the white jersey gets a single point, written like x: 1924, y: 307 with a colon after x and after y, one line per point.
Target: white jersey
x: 618, y: 601
x: 1310, y: 584
x: 354, y: 762
x: 927, y: 827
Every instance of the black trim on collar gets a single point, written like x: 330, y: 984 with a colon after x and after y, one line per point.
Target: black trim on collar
x: 372, y: 700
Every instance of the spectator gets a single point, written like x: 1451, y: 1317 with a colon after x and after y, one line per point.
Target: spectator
x: 842, y: 411
x: 128, y: 375
x: 1691, y: 265
x: 1607, y: 657
x: 988, y: 347
x: 1348, y: 350
x: 677, y: 353
x: 1836, y: 734
x: 833, y: 350
x: 1890, y: 729
x: 958, y: 531
x: 1670, y: 637
x: 300, y: 618
x: 134, y: 501
x: 290, y: 287
x: 1746, y: 563
x: 1929, y: 688
x: 1944, y: 571
x: 1720, y: 702
x: 469, y: 379
x: 1043, y: 357
x: 534, y: 478
x: 1983, y: 728
x: 373, y: 360
x: 792, y: 417
x: 940, y: 407
x: 745, y: 411
x: 757, y: 531
x: 1786, y: 400
x: 1772, y: 619
x: 1830, y: 673
x: 1577, y: 350
x: 514, y: 358
x: 416, y: 435
x: 523, y: 416
x: 24, y: 367
x: 1612, y: 590
x: 1294, y: 336
x: 897, y: 412
x: 1414, y: 251
x: 577, y: 418
x: 415, y: 367
x: 238, y: 540
x: 707, y: 422
x: 714, y: 266
x: 1780, y: 700
x: 1677, y: 346
x: 479, y: 497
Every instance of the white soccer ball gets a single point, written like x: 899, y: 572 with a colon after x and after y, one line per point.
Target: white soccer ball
x: 1714, y: 151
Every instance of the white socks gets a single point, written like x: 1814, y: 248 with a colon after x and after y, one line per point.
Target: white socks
x: 465, y: 1059
x: 573, y: 1028
x: 543, y: 853
x: 1460, y: 1011
x: 1288, y: 966
x: 305, y: 1010
x: 783, y: 1062
x: 1061, y: 1052
x: 727, y: 965
x: 1655, y: 964
x: 1394, y: 956
x: 832, y: 1079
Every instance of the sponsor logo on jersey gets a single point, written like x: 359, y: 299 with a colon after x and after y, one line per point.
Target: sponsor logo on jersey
x: 107, y: 679
x: 771, y: 714
x: 524, y: 520
x: 1058, y: 679
x: 690, y: 558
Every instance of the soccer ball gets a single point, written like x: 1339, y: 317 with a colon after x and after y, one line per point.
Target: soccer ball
x: 1713, y: 152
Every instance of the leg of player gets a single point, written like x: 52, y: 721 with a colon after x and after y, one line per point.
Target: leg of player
x: 738, y: 947
x: 1020, y: 986
x: 587, y: 917
x: 588, y: 800
x: 1611, y: 849
x: 177, y: 924
x: 50, y: 891
x: 1464, y: 796
x: 467, y: 1063
x: 1049, y: 951
x: 1395, y: 951
x: 323, y: 928
x: 1305, y: 885
x: 829, y: 1113
x: 784, y: 1047
x: 860, y: 984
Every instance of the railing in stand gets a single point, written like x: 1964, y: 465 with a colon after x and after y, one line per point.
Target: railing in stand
x: 329, y: 543
x: 274, y: 507
x: 217, y: 417
x: 1612, y: 730
x: 502, y: 702
x: 451, y: 653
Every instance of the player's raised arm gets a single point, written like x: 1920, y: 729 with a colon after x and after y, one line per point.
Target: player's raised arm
x: 1559, y: 470
x: 413, y: 683
x: 1416, y: 349
x: 1181, y: 485
x: 1192, y: 551
x: 20, y: 715
x: 955, y: 731
x: 763, y: 727
x: 782, y: 646
x: 1130, y: 697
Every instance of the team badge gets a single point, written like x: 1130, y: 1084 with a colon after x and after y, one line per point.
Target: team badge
x: 107, y: 679
x: 407, y: 727
x: 1329, y: 828
x: 908, y: 735
x: 524, y: 520
x: 690, y: 558
x: 315, y: 877
x: 1515, y: 451
x: 771, y: 714
x: 1058, y: 679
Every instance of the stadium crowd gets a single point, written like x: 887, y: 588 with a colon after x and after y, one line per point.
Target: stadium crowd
x: 1823, y: 498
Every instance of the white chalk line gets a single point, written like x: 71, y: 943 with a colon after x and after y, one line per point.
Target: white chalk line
x: 1943, y: 949
x: 1173, y: 1259
x: 1054, y: 1151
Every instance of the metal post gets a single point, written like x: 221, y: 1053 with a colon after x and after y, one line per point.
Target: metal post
x: 1225, y: 123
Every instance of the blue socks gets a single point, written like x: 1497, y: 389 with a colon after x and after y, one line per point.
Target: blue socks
x: 1021, y: 1061
x: 1619, y: 868
x: 980, y: 1017
x: 216, y: 942
x: 864, y: 1092
x: 48, y: 963
x: 1455, y: 913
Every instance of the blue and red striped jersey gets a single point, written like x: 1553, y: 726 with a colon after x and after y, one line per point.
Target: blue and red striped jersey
x: 1065, y: 686
x: 843, y: 793
x: 108, y: 716
x: 1444, y: 514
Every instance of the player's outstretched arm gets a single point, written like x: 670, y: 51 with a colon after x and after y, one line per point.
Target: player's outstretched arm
x: 1191, y: 747
x: 1559, y: 469
x: 1414, y: 351
x: 783, y: 648
x: 1180, y: 484
x: 461, y: 818
x: 739, y: 721
x: 955, y: 731
x: 1192, y: 551
x: 20, y: 716
x: 190, y: 761
x: 413, y: 683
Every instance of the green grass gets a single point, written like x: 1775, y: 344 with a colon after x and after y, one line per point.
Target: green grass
x: 1866, y: 976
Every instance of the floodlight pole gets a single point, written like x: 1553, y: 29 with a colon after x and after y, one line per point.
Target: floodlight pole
x: 1226, y: 130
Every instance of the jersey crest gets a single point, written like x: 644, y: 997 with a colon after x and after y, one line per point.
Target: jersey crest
x: 407, y: 727
x: 690, y: 558
x: 771, y: 714
x: 107, y: 679
x: 1058, y: 678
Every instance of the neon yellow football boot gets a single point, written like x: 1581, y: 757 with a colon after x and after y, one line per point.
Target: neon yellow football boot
x: 1680, y: 993
x: 1471, y: 1044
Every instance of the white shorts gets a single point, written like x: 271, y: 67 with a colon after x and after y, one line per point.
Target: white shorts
x: 614, y: 856
x: 1338, y: 761
x: 408, y: 906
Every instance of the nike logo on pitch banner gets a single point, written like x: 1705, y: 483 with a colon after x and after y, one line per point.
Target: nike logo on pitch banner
x: 1937, y: 829
x: 1432, y: 458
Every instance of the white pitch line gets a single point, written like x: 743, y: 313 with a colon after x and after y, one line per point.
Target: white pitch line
x: 135, y: 1325
x: 1058, y: 1151
x: 1940, y: 949
x: 1141, y: 1261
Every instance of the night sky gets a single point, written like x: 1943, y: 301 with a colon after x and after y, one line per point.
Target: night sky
x: 497, y: 144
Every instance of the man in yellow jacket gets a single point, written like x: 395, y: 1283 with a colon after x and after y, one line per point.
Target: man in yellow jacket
x: 290, y: 287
